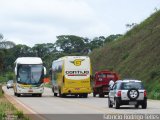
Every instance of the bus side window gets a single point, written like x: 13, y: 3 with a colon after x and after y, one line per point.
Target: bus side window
x: 54, y: 75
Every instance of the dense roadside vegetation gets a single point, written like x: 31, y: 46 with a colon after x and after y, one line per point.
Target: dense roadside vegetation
x: 135, y: 55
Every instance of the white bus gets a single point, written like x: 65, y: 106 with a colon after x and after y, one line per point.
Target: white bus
x: 29, y: 72
x: 71, y: 75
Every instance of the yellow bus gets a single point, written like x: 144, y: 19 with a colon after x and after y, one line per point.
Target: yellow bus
x: 71, y: 75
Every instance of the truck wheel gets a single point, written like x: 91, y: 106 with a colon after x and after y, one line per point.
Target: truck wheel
x: 110, y: 105
x: 101, y: 95
x: 94, y: 94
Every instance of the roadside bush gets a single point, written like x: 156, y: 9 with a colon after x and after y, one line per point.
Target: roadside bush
x: 19, y: 114
x: 154, y: 74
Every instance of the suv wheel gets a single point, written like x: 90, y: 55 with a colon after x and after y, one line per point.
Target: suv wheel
x: 144, y: 104
x: 117, y: 105
x: 110, y: 105
x: 133, y: 94
x: 136, y: 106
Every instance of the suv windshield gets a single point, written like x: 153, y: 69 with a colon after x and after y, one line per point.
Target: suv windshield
x: 129, y: 85
x: 30, y: 74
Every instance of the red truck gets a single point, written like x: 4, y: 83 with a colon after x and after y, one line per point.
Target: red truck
x: 101, y: 82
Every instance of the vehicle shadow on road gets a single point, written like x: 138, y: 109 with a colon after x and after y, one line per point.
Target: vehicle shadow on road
x: 130, y: 108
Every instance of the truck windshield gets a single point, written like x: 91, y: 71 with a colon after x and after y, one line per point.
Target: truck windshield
x: 30, y: 74
x: 106, y: 75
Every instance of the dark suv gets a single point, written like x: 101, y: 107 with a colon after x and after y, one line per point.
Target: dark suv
x: 127, y: 92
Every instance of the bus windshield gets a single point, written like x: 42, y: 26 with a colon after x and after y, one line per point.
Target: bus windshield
x: 30, y: 74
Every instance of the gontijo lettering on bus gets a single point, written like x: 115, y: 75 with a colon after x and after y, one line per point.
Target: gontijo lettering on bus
x: 77, y: 73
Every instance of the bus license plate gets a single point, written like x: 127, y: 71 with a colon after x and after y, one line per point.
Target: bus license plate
x: 133, y: 103
x: 30, y: 90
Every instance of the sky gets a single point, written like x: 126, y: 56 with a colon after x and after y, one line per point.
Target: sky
x: 33, y: 22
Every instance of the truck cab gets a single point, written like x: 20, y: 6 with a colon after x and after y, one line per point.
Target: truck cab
x: 101, y: 82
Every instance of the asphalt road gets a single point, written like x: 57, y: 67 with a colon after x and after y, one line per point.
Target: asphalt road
x: 55, y: 108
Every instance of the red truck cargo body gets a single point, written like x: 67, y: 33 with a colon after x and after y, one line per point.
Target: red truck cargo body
x: 101, y: 82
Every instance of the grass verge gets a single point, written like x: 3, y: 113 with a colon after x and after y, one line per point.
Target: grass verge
x: 9, y: 112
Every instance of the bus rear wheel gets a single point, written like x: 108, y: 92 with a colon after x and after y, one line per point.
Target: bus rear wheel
x: 76, y: 95
x: 85, y: 95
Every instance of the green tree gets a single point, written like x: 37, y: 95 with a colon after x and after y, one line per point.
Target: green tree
x: 42, y: 50
x: 70, y: 44
x: 110, y: 38
x: 97, y: 42
x: 4, y: 46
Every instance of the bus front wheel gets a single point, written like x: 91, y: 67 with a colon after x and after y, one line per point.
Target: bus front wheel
x: 55, y: 94
x: 61, y: 94
x: 15, y: 94
x: 18, y: 95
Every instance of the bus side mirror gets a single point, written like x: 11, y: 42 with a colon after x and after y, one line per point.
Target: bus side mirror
x: 15, y: 70
x: 45, y: 71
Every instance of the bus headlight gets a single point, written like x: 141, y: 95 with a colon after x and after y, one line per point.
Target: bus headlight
x: 41, y: 87
x: 19, y: 86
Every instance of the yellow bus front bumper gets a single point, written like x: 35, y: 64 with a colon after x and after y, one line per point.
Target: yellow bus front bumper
x: 76, y: 90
